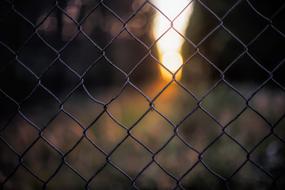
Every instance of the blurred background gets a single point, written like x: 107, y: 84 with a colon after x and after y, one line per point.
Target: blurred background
x: 101, y: 94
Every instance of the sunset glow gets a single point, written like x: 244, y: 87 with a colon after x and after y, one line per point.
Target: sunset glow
x: 170, y: 44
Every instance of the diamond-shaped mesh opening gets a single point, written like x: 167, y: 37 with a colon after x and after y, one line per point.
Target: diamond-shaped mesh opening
x: 58, y: 76
x: 197, y: 134
x: 224, y: 49
x: 132, y: 110
x: 243, y: 16
x: 251, y: 72
x: 20, y: 128
x: 43, y: 55
x: 85, y: 164
x: 166, y: 103
x: 199, y: 75
x: 83, y: 108
x: 42, y: 159
x: 40, y: 112
x: 142, y: 94
x: 153, y: 131
x: 106, y: 133
x: 95, y: 83
x: 248, y: 129
x: 269, y: 102
x: 148, y: 66
x: 80, y: 48
x: 131, y: 157
x: 224, y: 166
x: 120, y: 48
x: 54, y: 132
x: 230, y: 103
x: 176, y: 156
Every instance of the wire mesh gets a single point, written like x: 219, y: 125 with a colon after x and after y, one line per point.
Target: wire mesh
x: 42, y: 140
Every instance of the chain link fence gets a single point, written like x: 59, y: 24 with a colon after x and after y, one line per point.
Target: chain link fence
x: 84, y: 104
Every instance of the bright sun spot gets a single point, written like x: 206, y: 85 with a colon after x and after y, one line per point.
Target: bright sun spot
x: 170, y: 44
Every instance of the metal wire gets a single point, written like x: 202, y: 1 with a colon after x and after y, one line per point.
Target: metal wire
x: 128, y: 82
